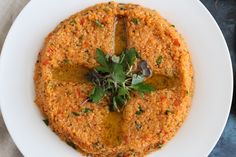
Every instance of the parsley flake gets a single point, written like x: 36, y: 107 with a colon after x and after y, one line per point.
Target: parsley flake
x: 86, y: 110
x: 99, y: 24
x: 159, y: 60
x: 135, y: 21
x: 139, y: 111
x: 46, y: 121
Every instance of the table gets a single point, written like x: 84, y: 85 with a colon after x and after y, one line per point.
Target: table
x: 225, y: 14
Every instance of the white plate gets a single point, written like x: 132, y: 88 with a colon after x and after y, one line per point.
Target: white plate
x: 211, y: 60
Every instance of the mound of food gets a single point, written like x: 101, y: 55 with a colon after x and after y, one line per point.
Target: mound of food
x: 114, y: 80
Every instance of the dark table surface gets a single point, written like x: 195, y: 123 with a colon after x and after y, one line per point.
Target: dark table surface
x: 224, y: 12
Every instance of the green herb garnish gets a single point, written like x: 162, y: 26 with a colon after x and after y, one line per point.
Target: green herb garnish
x: 99, y: 24
x: 138, y: 125
x: 86, y: 110
x: 73, y: 22
x: 76, y: 113
x: 140, y: 111
x: 97, y: 93
x: 159, y: 145
x: 81, y: 37
x: 71, y: 144
x: 66, y: 61
x: 168, y: 111
x: 116, y: 77
x: 46, y: 121
x: 135, y: 21
x: 120, y: 155
x: 187, y: 92
x: 159, y: 60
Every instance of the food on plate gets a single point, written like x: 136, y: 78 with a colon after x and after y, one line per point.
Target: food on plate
x: 114, y: 80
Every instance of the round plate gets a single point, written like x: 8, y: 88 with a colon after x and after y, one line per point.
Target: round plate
x: 211, y: 61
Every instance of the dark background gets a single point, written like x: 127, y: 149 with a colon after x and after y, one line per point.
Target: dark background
x: 224, y: 12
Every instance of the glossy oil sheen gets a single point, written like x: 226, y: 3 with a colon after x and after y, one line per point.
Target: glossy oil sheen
x: 113, y: 133
x: 162, y: 81
x: 120, y: 38
x: 70, y: 73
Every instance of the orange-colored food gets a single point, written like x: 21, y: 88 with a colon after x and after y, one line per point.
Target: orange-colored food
x: 146, y: 123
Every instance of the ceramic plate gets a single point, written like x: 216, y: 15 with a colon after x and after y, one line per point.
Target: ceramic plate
x: 211, y: 61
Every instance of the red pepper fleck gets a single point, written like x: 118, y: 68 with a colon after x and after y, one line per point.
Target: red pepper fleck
x: 80, y: 94
x: 176, y: 42
x: 82, y: 22
x: 126, y: 139
x: 162, y: 97
x: 45, y: 62
x: 177, y: 102
x: 50, y: 51
x: 144, y: 137
x: 165, y: 133
x: 86, y: 44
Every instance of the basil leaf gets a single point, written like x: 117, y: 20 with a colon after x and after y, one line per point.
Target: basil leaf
x: 131, y: 56
x: 102, y: 69
x: 118, y: 74
x: 101, y: 57
x: 159, y: 60
x: 76, y: 113
x: 123, y: 91
x: 143, y: 88
x: 97, y: 94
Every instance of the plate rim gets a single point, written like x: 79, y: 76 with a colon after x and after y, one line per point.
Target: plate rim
x: 28, y: 5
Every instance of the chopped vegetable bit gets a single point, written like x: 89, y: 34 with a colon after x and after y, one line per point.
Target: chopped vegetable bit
x: 45, y: 62
x: 66, y: 61
x: 159, y: 60
x: 135, y: 21
x: 138, y: 125
x: 168, y: 111
x: 172, y: 25
x: 46, y: 121
x: 73, y: 22
x: 122, y: 7
x: 176, y: 42
x: 76, y: 113
x: 86, y: 110
x: 140, y: 111
x: 159, y: 145
x: 120, y: 155
x: 187, y: 92
x: 81, y: 37
x: 71, y: 144
x: 96, y: 143
x: 99, y: 24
